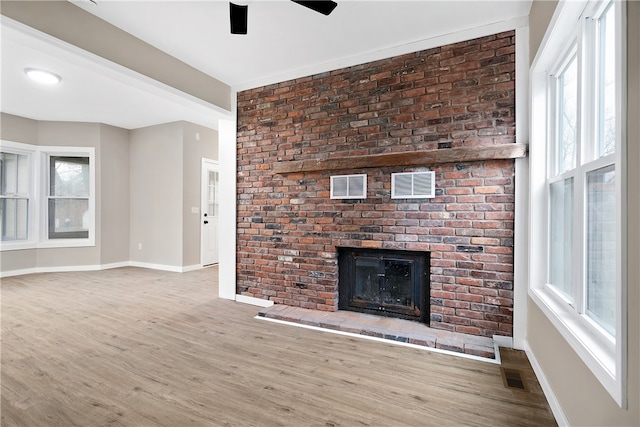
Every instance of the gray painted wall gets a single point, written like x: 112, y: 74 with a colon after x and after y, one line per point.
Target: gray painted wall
x: 539, y: 17
x: 194, y: 150
x: 114, y: 195
x: 156, y: 170
x: 147, y: 180
x: 18, y: 129
x: 165, y: 184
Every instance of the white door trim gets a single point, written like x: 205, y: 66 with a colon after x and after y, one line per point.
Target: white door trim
x: 206, y: 165
x: 227, y: 230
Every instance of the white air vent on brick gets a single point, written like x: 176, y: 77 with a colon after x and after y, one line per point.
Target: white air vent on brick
x: 413, y: 185
x: 349, y: 187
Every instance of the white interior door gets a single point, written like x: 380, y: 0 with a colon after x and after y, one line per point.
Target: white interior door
x: 209, y: 212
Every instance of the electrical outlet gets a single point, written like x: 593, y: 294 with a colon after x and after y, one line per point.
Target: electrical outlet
x: 139, y: 246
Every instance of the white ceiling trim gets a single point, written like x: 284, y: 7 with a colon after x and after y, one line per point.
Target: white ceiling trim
x: 429, y: 43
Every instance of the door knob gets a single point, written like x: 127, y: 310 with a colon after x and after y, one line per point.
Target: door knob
x: 206, y: 222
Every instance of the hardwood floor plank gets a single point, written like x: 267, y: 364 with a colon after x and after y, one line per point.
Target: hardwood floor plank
x: 136, y: 347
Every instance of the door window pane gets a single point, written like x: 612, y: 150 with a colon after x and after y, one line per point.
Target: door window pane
x: 601, y: 247
x: 561, y: 236
x: 212, y: 194
x: 567, y: 117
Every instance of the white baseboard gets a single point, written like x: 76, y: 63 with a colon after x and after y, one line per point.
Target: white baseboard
x: 114, y: 265
x: 558, y: 413
x: 12, y: 273
x: 503, y: 341
x: 71, y: 268
x: 62, y: 269
x: 172, y: 268
x: 254, y: 301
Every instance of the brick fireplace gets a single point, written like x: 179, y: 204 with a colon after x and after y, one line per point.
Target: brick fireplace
x: 290, y: 230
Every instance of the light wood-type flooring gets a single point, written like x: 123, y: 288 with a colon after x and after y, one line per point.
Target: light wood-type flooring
x: 136, y: 347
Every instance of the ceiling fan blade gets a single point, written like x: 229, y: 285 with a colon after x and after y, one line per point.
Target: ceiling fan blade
x: 238, y: 18
x: 322, y: 6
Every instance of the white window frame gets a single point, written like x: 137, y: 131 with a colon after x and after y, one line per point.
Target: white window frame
x: 602, y: 353
x: 46, y: 154
x: 18, y: 148
x: 38, y: 204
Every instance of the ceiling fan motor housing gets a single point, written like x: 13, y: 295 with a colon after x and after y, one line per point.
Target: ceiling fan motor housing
x: 238, y: 17
x: 238, y: 13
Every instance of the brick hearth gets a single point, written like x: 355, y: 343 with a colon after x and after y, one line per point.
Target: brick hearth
x: 405, y: 331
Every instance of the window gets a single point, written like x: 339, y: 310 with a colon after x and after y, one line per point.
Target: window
x: 15, y: 195
x: 566, y: 115
x: 68, y: 200
x: 600, y: 251
x: 47, y: 196
x: 577, y: 184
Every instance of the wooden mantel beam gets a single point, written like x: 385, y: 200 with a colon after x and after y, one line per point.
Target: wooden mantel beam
x: 411, y: 158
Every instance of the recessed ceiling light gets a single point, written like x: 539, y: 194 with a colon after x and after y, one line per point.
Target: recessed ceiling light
x: 42, y: 76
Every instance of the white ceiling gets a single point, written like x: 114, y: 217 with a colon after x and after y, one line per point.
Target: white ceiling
x: 285, y: 41
x: 92, y: 90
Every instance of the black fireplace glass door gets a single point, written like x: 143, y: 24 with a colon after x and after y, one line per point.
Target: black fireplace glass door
x: 384, y: 282
x: 367, y: 281
x: 397, y: 286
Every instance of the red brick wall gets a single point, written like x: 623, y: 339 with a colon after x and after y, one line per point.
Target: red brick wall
x: 288, y: 227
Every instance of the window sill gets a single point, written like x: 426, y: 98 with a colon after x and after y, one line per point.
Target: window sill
x: 66, y: 243
x: 596, y: 351
x: 49, y: 244
x: 16, y: 246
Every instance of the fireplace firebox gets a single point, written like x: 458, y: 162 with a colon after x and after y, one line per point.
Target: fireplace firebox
x: 391, y: 283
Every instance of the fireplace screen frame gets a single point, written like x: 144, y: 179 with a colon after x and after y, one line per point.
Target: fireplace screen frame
x: 419, y: 261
